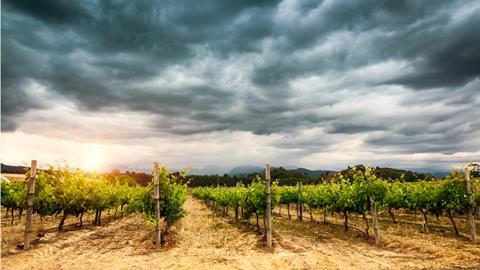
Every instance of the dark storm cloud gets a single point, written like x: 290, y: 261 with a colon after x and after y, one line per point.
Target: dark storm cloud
x: 428, y: 143
x: 304, y: 144
x: 444, y: 52
x: 55, y: 12
x: 452, y: 57
x: 352, y: 128
x: 130, y: 40
x: 238, y: 60
x: 443, y: 133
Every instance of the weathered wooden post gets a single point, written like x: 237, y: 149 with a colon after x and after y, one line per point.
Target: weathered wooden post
x: 268, y: 210
x: 300, y: 199
x: 156, y: 198
x: 31, y: 193
x: 376, y: 227
x: 471, y: 217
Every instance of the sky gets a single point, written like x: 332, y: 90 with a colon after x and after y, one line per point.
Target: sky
x: 218, y: 84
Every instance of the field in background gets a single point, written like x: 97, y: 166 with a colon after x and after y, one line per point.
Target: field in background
x: 14, y: 176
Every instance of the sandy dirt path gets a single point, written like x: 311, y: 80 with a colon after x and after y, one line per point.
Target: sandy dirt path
x: 205, y: 241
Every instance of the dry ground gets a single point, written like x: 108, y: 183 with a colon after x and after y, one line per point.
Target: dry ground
x: 203, y: 240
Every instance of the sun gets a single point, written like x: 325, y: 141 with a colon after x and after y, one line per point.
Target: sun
x: 92, y: 162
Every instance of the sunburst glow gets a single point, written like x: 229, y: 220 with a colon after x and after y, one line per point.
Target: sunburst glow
x: 92, y: 162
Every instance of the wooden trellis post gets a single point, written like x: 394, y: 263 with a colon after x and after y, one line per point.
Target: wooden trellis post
x: 376, y: 227
x: 156, y: 198
x: 300, y: 205
x: 268, y: 210
x: 471, y: 217
x: 31, y: 193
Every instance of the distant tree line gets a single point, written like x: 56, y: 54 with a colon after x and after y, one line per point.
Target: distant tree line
x: 286, y: 177
x: 140, y: 177
x: 389, y: 174
x: 283, y: 176
x: 13, y: 169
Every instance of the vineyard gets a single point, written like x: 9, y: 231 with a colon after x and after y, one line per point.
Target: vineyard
x: 357, y: 195
x: 65, y: 192
x: 230, y: 224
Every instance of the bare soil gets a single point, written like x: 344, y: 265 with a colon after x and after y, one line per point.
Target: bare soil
x: 204, y: 240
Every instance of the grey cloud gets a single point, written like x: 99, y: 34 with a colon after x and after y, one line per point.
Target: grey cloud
x: 352, y: 128
x: 98, y: 54
x: 427, y: 143
x: 300, y: 145
x: 450, y: 58
x: 123, y: 44
x: 443, y: 52
x: 455, y: 132
x: 55, y: 12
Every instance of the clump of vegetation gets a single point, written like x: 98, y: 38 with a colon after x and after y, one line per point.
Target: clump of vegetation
x: 66, y: 192
x: 353, y: 193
